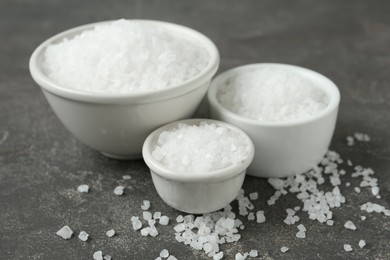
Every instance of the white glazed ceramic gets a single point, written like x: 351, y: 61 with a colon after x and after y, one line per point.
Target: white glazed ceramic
x: 193, y: 192
x: 118, y: 124
x: 283, y: 148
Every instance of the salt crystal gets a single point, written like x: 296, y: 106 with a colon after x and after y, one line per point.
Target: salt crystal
x: 253, y: 196
x: 83, y: 236
x: 83, y: 188
x: 239, y: 256
x: 301, y: 227
x: 146, y: 215
x: 65, y: 232
x: 330, y: 222
x: 363, y: 217
x: 145, y: 231
x: 357, y: 190
x: 118, y: 190
x: 347, y: 184
x: 349, y: 162
x: 284, y: 249
x: 253, y: 253
x: 164, y: 220
x: 126, y: 177
x: 140, y: 57
x: 362, y: 243
x: 164, y: 253
x: 347, y: 247
x: 260, y: 218
x: 179, y: 227
x: 158, y: 258
x: 107, y: 257
x: 375, y: 190
x: 157, y: 215
x: 349, y: 225
x: 301, y: 234
x: 98, y: 255
x: 145, y: 205
x: 251, y: 216
x: 362, y: 137
x: 110, y: 233
x: 350, y: 141
x: 218, y: 256
x: 179, y: 219
x: 137, y: 224
x: 171, y: 257
x: 187, y: 154
x: 272, y: 94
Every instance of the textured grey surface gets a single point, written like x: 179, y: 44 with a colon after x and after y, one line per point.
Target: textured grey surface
x: 41, y: 164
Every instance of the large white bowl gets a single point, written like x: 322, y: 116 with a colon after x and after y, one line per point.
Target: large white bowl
x: 117, y: 124
x: 282, y: 148
x: 196, y: 192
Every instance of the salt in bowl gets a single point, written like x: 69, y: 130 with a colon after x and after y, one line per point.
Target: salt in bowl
x: 196, y: 192
x: 282, y: 148
x: 116, y: 124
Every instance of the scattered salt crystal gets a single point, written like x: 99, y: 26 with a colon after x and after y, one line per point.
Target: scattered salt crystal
x: 145, y: 231
x: 347, y: 247
x: 218, y: 256
x: 164, y: 220
x: 357, y: 190
x: 146, y: 215
x: 126, y: 177
x: 284, y: 249
x: 107, y: 257
x: 239, y: 256
x: 374, y: 207
x: 145, y: 205
x: 349, y: 225
x: 164, y: 253
x: 83, y: 188
x: 138, y: 58
x: 179, y: 219
x: 65, y: 232
x: 83, y: 236
x: 200, y: 148
x: 110, y: 233
x: 253, y: 253
x: 350, y: 141
x: 375, y: 190
x: 171, y: 257
x: 179, y: 227
x: 260, y: 218
x: 349, y: 163
x: 272, y: 94
x: 363, y: 217
x: 157, y: 215
x: 118, y: 190
x: 301, y: 234
x: 301, y: 227
x: 98, y: 255
x: 362, y: 243
x: 330, y: 222
x: 253, y: 196
x: 347, y: 184
x: 158, y: 258
x: 137, y: 224
x: 251, y: 216
x: 362, y: 137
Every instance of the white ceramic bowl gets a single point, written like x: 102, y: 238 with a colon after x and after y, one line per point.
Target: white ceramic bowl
x: 118, y: 124
x: 193, y: 192
x: 283, y: 148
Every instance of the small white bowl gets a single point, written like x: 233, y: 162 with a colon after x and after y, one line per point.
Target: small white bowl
x: 117, y: 124
x: 194, y: 192
x: 282, y: 148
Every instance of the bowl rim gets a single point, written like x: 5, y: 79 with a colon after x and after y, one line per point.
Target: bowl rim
x: 189, y: 85
x: 327, y: 85
x: 212, y: 176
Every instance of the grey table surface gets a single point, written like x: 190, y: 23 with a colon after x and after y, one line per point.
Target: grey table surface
x: 41, y: 163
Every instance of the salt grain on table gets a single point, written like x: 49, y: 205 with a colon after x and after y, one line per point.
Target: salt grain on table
x: 284, y: 249
x: 110, y: 233
x: 349, y: 225
x: 83, y: 188
x: 65, y: 232
x: 98, y: 255
x: 347, y: 247
x: 362, y: 243
x: 83, y: 236
x: 118, y: 190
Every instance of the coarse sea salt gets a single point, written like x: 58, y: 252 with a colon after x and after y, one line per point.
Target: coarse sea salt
x: 83, y: 236
x: 65, y: 232
x: 138, y: 57
x: 272, y: 94
x: 83, y: 188
x: 200, y: 148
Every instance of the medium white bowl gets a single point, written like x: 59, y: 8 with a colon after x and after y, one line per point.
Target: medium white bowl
x: 194, y: 192
x: 117, y: 124
x: 282, y: 148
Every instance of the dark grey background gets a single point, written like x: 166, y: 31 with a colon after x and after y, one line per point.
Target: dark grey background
x: 41, y: 164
